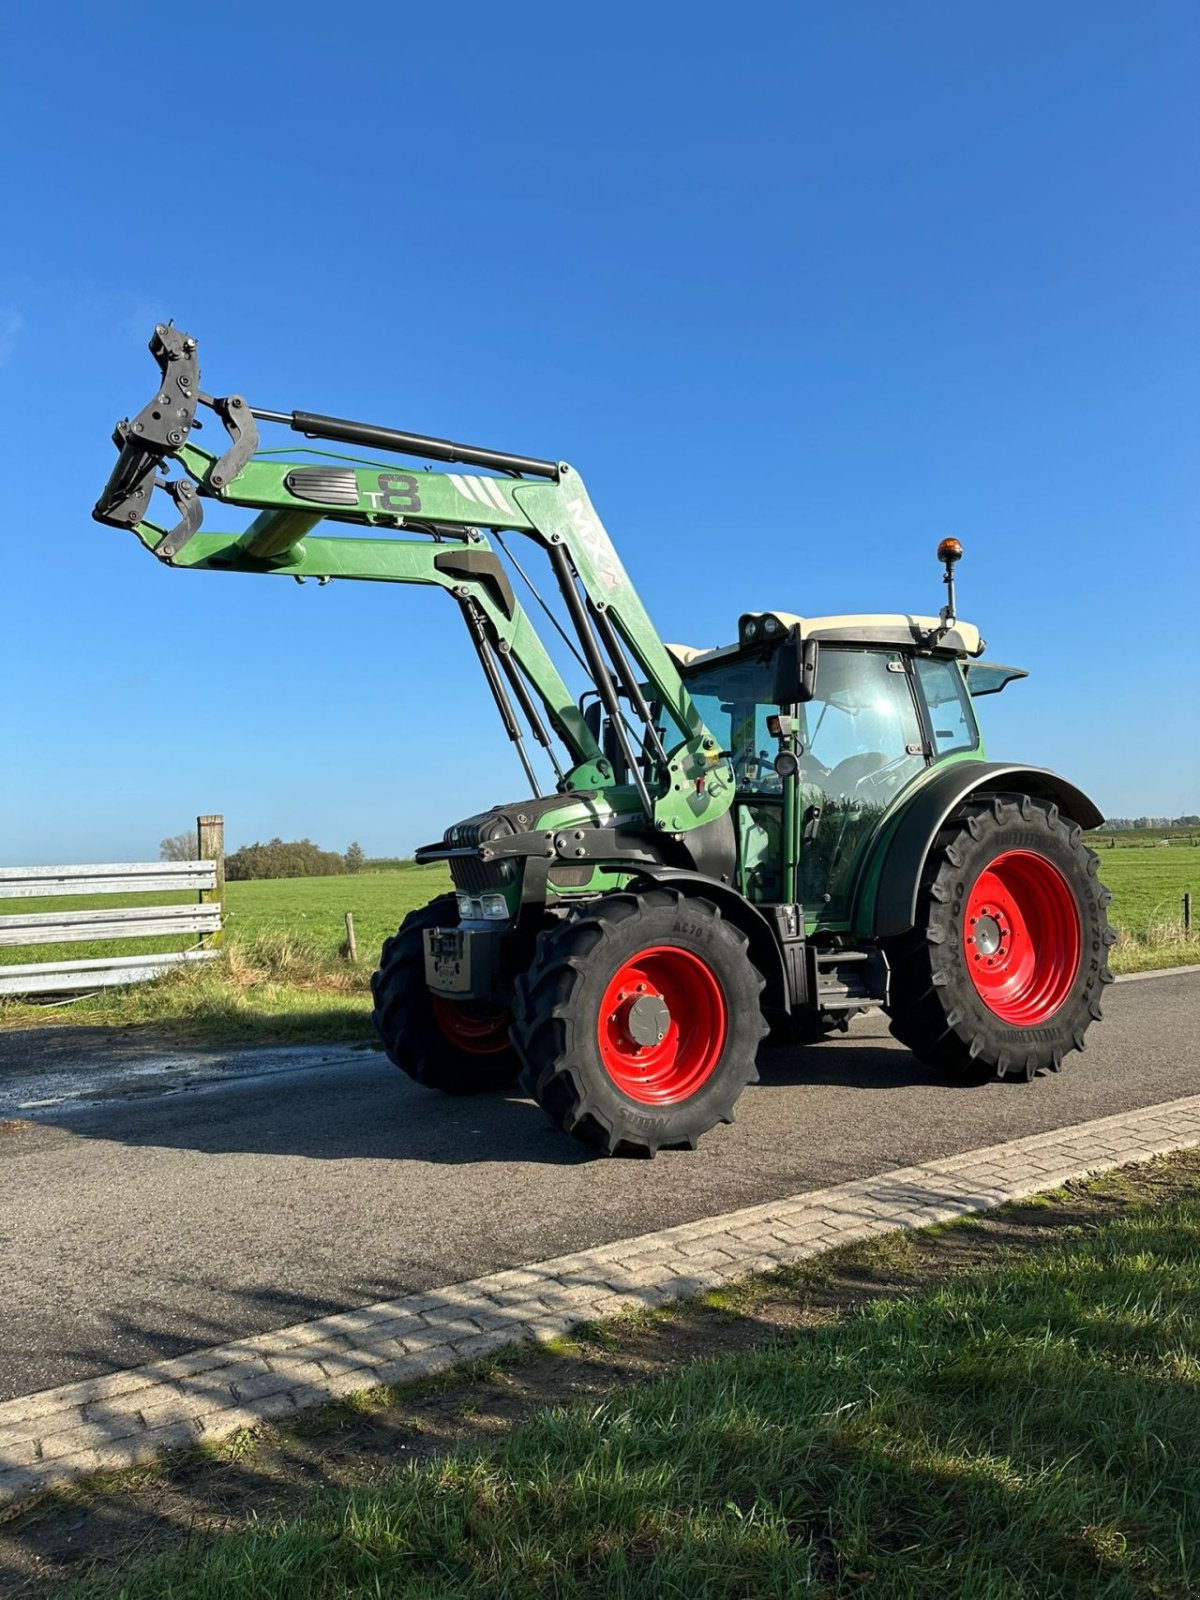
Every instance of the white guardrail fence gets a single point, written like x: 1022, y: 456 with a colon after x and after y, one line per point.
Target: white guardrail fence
x: 22, y: 929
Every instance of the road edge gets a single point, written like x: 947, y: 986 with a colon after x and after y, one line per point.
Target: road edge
x: 1157, y: 972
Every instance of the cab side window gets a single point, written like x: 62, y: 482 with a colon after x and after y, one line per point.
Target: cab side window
x: 950, y: 715
x: 863, y: 722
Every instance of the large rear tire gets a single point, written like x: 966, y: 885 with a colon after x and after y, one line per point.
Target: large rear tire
x: 639, y: 1021
x: 458, y: 1048
x: 1008, y: 960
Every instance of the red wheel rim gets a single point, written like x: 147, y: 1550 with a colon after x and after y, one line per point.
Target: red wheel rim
x: 1022, y: 938
x: 662, y: 1025
x: 479, y: 1031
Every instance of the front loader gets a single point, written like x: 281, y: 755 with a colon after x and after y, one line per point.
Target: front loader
x: 770, y: 836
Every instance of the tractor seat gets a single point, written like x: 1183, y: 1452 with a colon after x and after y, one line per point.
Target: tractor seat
x: 852, y: 770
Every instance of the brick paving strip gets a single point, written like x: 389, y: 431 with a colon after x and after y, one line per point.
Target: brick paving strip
x: 126, y: 1417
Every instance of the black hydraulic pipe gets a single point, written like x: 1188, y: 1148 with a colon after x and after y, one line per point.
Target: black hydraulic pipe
x: 524, y: 699
x: 408, y: 444
x: 486, y: 660
x: 601, y: 676
x: 632, y: 687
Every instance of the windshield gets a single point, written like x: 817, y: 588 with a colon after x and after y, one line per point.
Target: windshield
x: 734, y: 699
x: 861, y: 721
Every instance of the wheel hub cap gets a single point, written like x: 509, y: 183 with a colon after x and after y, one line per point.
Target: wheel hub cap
x: 662, y: 1025
x: 647, y: 1020
x: 987, y: 935
x: 1022, y: 937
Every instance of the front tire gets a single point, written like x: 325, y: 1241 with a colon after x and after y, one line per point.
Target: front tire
x: 1009, y: 957
x: 639, y: 1021
x: 460, y: 1049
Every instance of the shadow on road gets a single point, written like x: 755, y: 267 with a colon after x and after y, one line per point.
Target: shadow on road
x: 857, y: 1061
x: 338, y: 1105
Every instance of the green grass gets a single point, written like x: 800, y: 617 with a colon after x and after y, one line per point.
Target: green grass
x: 316, y: 907
x: 282, y: 978
x: 309, y: 909
x: 1148, y: 885
x: 1022, y: 1431
x: 1137, y: 838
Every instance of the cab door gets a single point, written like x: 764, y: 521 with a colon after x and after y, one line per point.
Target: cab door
x: 759, y: 811
x: 862, y: 742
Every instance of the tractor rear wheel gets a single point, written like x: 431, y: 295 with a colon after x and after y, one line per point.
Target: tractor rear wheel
x: 458, y: 1048
x: 1009, y: 957
x: 639, y: 1021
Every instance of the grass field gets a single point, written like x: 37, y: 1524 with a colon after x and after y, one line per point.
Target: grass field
x: 1135, y: 838
x: 284, y: 977
x: 1008, y: 1424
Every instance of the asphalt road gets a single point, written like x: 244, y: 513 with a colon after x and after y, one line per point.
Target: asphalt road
x: 150, y: 1203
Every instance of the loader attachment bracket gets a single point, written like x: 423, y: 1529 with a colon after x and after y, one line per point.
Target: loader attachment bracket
x: 243, y: 434
x: 162, y: 427
x: 165, y: 421
x: 191, y: 516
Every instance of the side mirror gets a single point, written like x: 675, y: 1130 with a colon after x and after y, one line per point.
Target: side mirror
x: 795, y: 670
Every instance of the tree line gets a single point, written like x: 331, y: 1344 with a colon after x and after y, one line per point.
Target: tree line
x: 1129, y: 824
x: 277, y: 858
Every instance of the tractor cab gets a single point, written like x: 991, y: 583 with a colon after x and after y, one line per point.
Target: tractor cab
x: 887, y: 697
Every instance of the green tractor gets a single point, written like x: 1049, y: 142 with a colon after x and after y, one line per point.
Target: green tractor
x: 773, y: 835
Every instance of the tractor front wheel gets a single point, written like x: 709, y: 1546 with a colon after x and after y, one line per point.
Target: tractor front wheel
x: 460, y: 1048
x: 639, y: 1021
x: 1009, y: 957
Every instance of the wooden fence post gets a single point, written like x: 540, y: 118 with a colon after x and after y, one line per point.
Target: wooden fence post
x: 351, y: 941
x: 210, y: 846
x: 1187, y: 916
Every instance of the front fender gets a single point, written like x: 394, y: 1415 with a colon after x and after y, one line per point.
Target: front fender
x: 764, y: 947
x: 886, y: 898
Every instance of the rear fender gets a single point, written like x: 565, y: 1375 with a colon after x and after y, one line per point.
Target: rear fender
x: 886, y: 899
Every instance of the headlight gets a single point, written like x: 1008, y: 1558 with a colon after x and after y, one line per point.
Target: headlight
x: 467, y: 908
x: 750, y: 629
x: 494, y: 907
x: 771, y: 625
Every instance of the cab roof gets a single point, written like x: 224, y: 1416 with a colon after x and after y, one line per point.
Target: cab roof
x: 886, y: 628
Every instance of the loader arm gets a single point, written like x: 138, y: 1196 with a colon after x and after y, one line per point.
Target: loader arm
x: 427, y: 527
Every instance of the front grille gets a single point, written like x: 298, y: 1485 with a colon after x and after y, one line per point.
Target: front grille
x: 472, y: 876
x: 477, y: 830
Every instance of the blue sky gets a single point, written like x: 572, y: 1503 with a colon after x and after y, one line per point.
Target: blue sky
x: 798, y: 289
